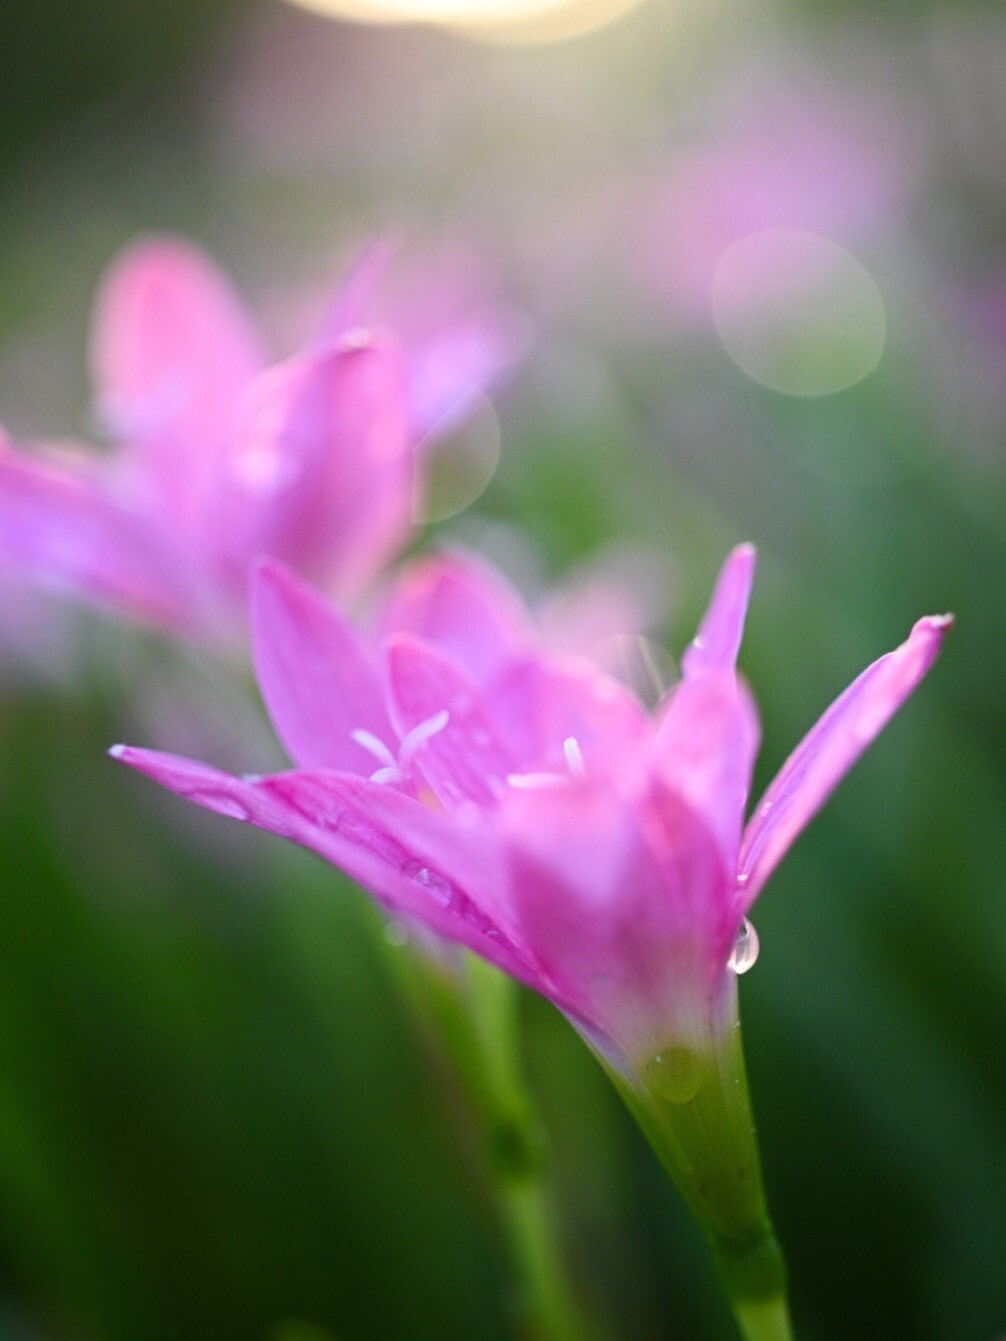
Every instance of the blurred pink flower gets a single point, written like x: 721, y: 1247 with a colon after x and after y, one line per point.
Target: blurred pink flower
x: 783, y: 161
x: 527, y: 806
x: 440, y: 298
x: 222, y: 457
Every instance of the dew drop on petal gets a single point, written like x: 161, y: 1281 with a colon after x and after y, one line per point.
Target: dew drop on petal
x: 221, y: 802
x: 745, y: 951
x: 435, y: 884
x: 674, y: 1075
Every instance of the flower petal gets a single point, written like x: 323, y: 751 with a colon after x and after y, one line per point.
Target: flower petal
x: 172, y: 349
x: 353, y: 305
x: 463, y: 759
x: 321, y: 475
x: 461, y: 605
x: 539, y: 705
x: 705, y: 750
x: 237, y: 798
x: 453, y: 368
x: 718, y: 640
x: 317, y: 678
x: 459, y: 340
x: 830, y: 749
x: 623, y: 902
x: 708, y: 735
x: 62, y: 528
x: 417, y: 863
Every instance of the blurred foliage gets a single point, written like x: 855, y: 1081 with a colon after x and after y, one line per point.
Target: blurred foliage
x: 216, y: 1120
x: 60, y: 64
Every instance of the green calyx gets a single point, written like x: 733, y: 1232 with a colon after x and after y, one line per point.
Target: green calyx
x: 691, y: 1102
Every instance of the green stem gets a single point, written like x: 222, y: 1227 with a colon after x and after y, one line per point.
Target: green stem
x: 545, y: 1301
x: 764, y: 1321
x: 693, y: 1106
x: 471, y: 1010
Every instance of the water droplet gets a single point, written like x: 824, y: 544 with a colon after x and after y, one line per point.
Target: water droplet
x: 396, y: 933
x: 745, y: 951
x: 438, y: 887
x: 674, y: 1075
x: 221, y: 802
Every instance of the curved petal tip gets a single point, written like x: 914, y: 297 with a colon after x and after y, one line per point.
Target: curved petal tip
x: 831, y: 747
x: 718, y: 640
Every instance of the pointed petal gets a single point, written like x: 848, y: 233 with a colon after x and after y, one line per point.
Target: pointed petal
x: 459, y: 342
x: 417, y: 863
x: 705, y: 750
x: 321, y: 475
x: 461, y: 605
x: 708, y: 735
x: 463, y: 760
x: 317, y: 677
x: 63, y: 529
x: 718, y: 640
x: 830, y: 749
x: 237, y: 798
x: 352, y: 307
x: 453, y: 368
x: 172, y: 349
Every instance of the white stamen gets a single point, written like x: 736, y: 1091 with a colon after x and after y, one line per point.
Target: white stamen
x: 375, y: 746
x: 527, y: 781
x: 574, y: 757
x: 390, y: 774
x: 420, y: 734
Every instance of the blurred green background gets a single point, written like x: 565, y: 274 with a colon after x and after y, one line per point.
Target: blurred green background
x: 216, y: 1118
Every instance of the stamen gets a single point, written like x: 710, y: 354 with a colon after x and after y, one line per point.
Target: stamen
x: 574, y: 757
x: 528, y: 781
x: 375, y: 746
x: 420, y: 734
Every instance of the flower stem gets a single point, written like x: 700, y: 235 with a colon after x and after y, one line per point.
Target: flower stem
x: 470, y: 1009
x: 693, y: 1106
x: 545, y: 1303
x: 767, y: 1320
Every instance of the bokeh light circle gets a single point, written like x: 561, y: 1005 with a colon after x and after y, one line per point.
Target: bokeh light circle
x: 797, y: 312
x: 506, y: 21
x: 459, y: 460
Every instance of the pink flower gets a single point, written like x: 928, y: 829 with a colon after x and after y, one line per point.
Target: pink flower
x: 781, y: 160
x: 221, y: 456
x: 441, y: 299
x: 528, y: 807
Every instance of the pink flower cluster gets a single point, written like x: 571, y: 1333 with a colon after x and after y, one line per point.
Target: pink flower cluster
x: 222, y: 456
x: 526, y: 805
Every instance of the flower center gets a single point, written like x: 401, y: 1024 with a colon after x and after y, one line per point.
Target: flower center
x: 392, y: 769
